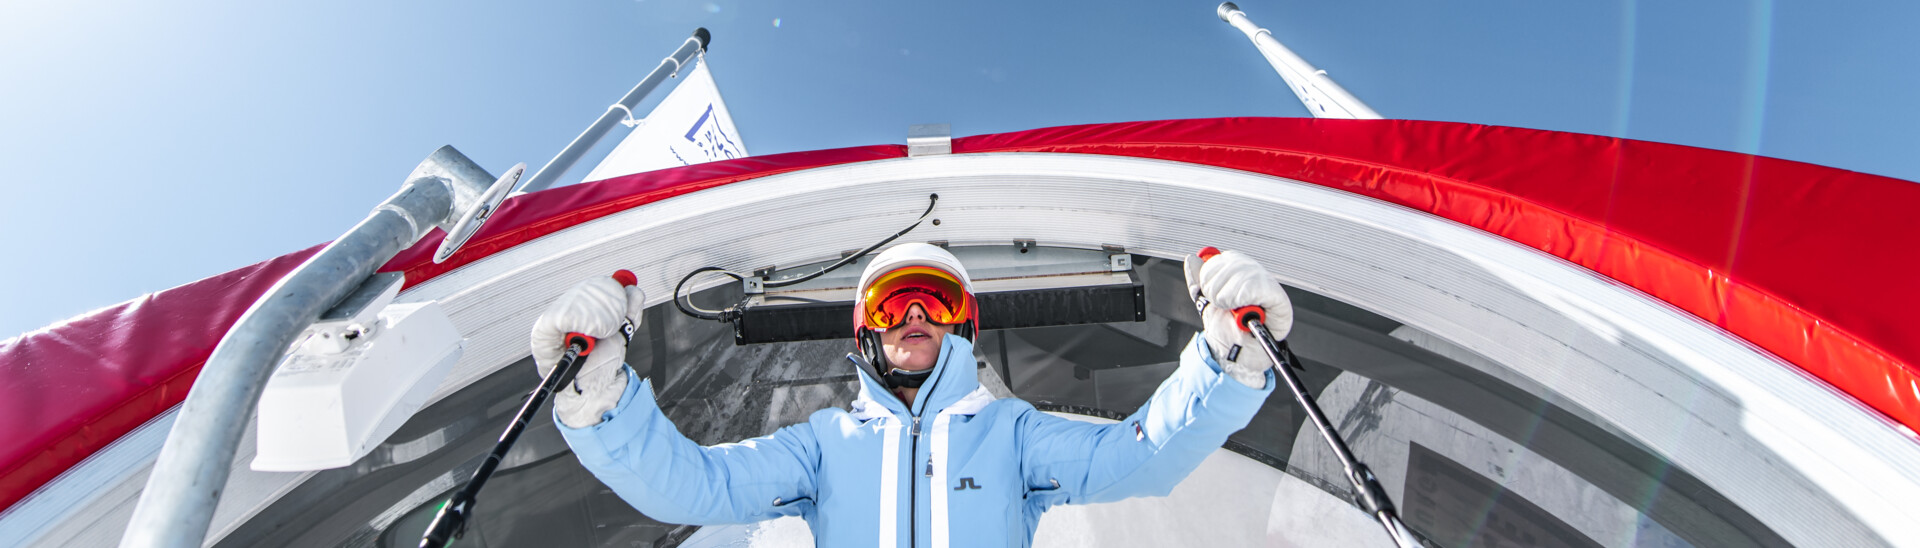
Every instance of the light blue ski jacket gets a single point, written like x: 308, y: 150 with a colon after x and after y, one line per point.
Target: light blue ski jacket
x: 957, y: 468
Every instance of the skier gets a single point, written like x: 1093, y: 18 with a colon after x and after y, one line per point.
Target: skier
x: 925, y: 457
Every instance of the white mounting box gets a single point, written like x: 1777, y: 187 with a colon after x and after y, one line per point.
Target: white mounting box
x: 350, y: 383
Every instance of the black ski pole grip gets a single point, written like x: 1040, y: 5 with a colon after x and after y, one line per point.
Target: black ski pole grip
x: 1243, y: 316
x: 580, y: 345
x: 1249, y: 316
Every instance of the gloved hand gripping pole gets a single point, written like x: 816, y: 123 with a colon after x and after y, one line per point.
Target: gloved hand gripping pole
x: 451, y: 522
x: 1373, y: 498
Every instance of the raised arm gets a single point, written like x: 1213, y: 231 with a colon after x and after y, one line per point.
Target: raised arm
x: 1220, y: 384
x: 650, y: 464
x: 610, y: 419
x: 1148, y: 453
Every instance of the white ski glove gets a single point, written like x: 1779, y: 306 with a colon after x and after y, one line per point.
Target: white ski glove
x: 607, y: 309
x: 1221, y: 282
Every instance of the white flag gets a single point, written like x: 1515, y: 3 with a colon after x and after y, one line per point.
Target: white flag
x: 690, y: 126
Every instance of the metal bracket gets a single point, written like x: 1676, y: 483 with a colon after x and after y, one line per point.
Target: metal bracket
x: 357, y: 315
x: 757, y: 283
x: 929, y: 140
x: 484, y: 206
x: 1023, y: 244
x: 629, y: 121
x: 1117, y: 257
x: 366, y: 300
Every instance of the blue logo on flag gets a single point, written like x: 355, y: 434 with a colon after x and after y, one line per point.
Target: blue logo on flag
x: 713, y: 142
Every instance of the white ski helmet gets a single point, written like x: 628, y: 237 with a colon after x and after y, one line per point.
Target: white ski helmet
x: 912, y: 255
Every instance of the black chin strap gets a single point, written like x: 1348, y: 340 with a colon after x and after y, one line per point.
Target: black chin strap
x: 888, y: 375
x: 894, y: 377
x: 901, y: 378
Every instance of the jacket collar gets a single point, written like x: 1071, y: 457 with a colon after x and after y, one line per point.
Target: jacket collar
x: 953, y: 389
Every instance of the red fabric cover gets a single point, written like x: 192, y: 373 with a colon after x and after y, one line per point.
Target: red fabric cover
x: 1805, y: 261
x: 522, y: 219
x: 72, y: 388
x: 119, y: 367
x: 1811, y: 263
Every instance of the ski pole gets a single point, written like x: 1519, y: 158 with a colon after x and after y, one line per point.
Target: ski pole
x: 1373, y: 498
x: 451, y: 522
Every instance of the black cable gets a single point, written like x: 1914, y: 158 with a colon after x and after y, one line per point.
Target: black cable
x: 931, y: 200
x: 689, y: 309
x: 727, y: 315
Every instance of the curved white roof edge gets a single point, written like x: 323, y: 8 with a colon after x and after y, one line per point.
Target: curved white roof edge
x: 1773, y: 435
x: 1805, y: 459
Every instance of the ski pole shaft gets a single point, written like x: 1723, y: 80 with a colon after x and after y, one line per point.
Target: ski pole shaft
x: 1372, y: 496
x: 451, y: 522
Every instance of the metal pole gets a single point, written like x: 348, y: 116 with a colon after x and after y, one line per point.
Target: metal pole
x: 1372, y: 496
x: 669, y: 67
x: 451, y: 522
x: 1323, y: 97
x: 177, y: 505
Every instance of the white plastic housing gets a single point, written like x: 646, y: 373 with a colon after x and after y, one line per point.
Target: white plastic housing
x: 328, y: 404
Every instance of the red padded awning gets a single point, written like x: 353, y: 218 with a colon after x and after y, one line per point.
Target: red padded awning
x: 1810, y: 263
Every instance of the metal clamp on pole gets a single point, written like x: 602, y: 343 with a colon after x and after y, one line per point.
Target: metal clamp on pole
x: 668, y: 68
x: 177, y: 505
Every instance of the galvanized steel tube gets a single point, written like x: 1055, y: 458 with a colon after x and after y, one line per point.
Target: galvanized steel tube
x: 192, y: 469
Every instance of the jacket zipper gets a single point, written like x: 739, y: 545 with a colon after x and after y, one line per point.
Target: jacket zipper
x: 913, y: 488
x: 913, y: 484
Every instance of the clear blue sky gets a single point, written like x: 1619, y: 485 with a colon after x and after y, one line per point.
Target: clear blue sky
x: 150, y: 144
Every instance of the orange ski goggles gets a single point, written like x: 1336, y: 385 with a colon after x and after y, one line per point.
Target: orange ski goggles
x: 887, y: 298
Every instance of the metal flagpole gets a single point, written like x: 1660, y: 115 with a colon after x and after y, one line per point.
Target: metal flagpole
x: 1323, y: 97
x: 668, y: 68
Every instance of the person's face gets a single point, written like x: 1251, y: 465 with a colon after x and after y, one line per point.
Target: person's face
x: 914, y: 345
